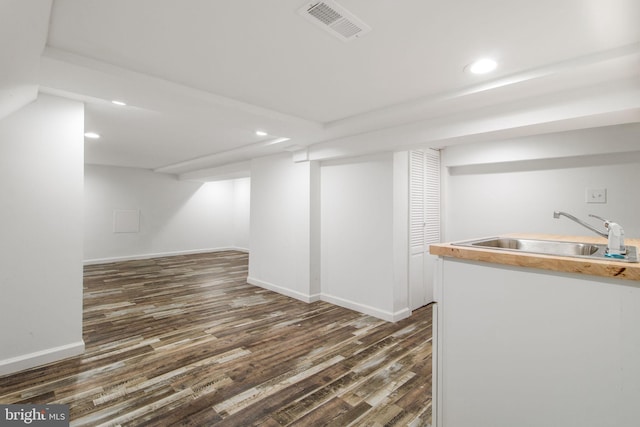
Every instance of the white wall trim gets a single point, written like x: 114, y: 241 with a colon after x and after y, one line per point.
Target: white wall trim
x: 361, y: 308
x: 161, y: 254
x: 239, y: 249
x: 42, y: 357
x: 284, y: 291
x: 372, y: 311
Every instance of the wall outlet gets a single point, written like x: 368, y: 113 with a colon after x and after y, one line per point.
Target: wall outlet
x: 596, y: 195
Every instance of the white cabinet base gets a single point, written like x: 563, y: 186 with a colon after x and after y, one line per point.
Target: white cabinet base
x: 524, y: 347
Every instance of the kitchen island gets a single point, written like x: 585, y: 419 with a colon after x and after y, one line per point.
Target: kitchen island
x: 526, y: 339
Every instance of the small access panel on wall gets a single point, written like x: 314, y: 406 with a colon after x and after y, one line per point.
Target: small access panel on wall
x: 126, y: 221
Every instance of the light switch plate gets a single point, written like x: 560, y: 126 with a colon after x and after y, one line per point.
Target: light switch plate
x: 596, y: 195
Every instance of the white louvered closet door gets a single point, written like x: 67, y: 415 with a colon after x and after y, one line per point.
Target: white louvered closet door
x: 424, y: 223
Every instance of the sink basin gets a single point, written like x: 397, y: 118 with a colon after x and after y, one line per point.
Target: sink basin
x: 550, y: 247
x: 539, y: 246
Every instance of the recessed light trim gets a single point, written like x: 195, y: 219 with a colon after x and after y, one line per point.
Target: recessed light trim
x: 261, y: 133
x: 482, y: 66
x: 119, y: 103
x: 92, y: 135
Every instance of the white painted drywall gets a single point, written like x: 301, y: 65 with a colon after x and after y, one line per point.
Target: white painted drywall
x: 327, y: 231
x: 515, y: 185
x: 41, y: 164
x: 280, y: 239
x: 241, y: 212
x: 175, y: 216
x: 24, y: 26
x: 357, y: 225
x: 527, y: 347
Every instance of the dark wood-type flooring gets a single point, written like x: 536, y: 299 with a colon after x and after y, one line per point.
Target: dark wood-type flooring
x: 184, y: 340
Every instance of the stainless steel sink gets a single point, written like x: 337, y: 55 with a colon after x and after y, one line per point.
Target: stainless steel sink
x: 550, y: 247
x: 539, y: 246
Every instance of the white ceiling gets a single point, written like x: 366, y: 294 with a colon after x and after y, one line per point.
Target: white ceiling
x: 23, y: 33
x: 200, y: 76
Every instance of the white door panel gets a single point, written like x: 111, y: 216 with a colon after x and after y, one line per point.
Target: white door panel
x: 424, y: 223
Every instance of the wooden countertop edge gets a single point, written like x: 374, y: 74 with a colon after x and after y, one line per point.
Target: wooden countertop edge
x: 604, y: 268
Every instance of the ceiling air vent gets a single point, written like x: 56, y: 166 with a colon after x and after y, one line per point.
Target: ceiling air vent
x: 334, y: 19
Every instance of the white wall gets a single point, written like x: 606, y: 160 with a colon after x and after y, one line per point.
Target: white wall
x: 357, y: 234
x: 509, y: 336
x: 241, y: 212
x: 41, y: 164
x: 514, y: 186
x: 328, y: 231
x: 281, y: 224
x: 175, y: 216
x: 23, y: 29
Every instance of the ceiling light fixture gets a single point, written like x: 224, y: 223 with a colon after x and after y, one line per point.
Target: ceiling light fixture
x: 120, y: 103
x: 92, y: 135
x: 261, y: 133
x: 482, y: 66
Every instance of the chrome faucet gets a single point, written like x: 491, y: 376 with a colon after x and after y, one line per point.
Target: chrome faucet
x: 614, y: 234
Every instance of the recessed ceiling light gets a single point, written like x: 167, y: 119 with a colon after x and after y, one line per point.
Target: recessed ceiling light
x: 92, y: 135
x: 261, y: 133
x: 482, y: 66
x: 120, y: 103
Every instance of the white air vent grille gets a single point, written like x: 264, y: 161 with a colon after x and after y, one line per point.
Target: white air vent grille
x: 334, y: 19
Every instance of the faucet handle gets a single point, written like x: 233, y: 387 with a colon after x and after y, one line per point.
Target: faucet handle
x: 606, y: 221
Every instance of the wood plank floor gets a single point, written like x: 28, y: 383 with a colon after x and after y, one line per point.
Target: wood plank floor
x: 185, y: 341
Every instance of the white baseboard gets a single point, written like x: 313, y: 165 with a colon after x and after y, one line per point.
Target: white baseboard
x: 284, y: 291
x: 361, y: 308
x: 42, y: 357
x: 160, y: 254
x: 372, y: 311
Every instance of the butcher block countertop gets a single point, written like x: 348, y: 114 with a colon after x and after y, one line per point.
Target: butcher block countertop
x: 593, y: 267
